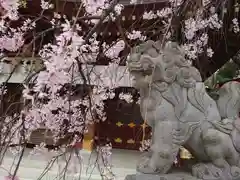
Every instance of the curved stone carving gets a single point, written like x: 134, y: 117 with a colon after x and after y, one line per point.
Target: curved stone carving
x: 181, y: 113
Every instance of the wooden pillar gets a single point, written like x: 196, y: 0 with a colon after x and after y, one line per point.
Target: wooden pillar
x: 88, y: 139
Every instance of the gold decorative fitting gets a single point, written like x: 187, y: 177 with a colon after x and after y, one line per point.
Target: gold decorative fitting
x: 119, y: 124
x: 131, y: 125
x: 130, y: 141
x: 118, y: 140
x: 144, y: 125
x: 185, y: 154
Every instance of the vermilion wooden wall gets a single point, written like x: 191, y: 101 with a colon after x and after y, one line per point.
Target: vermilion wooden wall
x: 124, y: 124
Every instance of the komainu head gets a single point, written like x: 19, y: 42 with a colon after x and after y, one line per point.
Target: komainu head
x: 163, y: 64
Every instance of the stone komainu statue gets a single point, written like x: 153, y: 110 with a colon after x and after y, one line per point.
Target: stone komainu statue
x: 175, y: 104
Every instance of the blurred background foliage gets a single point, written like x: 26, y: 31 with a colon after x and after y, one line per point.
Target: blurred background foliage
x: 230, y: 71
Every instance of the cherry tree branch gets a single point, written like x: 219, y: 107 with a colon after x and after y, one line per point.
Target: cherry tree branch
x: 102, y: 18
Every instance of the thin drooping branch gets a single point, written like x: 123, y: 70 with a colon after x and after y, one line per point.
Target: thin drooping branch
x: 30, y: 76
x: 122, y: 32
x: 88, y: 17
x: 102, y: 18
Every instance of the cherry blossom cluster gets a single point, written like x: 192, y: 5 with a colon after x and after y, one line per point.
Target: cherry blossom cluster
x: 195, y: 28
x: 50, y: 108
x: 53, y: 114
x: 46, y: 5
x: 62, y: 61
x: 196, y: 36
x: 136, y: 35
x: 235, y: 25
x: 163, y: 13
x: 10, y: 9
x: 95, y: 7
x: 127, y: 97
x: 12, y: 39
x: 113, y: 51
x: 145, y: 145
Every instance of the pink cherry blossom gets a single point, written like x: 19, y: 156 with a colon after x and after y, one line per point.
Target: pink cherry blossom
x: 11, y: 8
x: 11, y: 178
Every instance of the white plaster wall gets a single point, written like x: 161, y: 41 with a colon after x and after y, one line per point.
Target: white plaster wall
x: 99, y: 75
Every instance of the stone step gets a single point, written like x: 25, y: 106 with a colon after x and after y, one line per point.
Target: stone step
x: 34, y: 174
x: 3, y: 178
x: 40, y: 165
x: 32, y: 167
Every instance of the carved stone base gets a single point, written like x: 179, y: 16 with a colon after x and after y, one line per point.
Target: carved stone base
x: 174, y: 176
x: 202, y: 171
x: 211, y: 172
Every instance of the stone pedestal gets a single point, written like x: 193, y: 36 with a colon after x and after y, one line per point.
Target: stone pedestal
x: 174, y: 176
x: 203, y: 171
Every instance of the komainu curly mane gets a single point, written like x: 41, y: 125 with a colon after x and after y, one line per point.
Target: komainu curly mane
x: 170, y: 72
x: 170, y: 61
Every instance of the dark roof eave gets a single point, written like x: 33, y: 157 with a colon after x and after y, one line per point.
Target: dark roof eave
x: 127, y: 2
